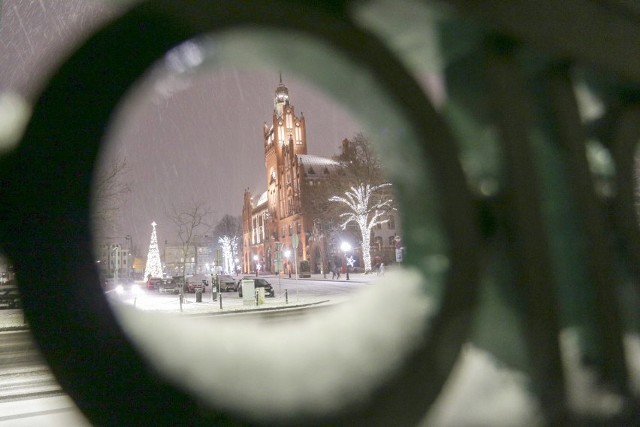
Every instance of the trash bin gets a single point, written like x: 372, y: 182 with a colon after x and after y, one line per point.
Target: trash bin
x: 198, y: 295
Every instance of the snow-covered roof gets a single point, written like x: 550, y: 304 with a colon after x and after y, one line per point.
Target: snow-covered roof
x: 262, y: 200
x: 316, y: 165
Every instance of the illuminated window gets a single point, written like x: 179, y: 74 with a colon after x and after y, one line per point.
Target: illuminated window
x: 280, y: 134
x: 298, y: 133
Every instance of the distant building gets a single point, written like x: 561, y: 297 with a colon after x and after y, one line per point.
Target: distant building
x: 199, y: 258
x: 114, y: 257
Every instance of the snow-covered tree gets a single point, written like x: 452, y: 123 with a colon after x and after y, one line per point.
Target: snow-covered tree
x: 229, y: 251
x: 366, y: 208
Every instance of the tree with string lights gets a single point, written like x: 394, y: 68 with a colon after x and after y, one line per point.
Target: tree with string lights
x: 154, y: 265
x: 367, y: 207
x: 229, y: 246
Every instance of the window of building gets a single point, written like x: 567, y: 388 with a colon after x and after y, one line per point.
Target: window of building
x: 289, y: 119
x: 392, y: 240
x: 281, y: 134
x: 298, y: 133
x: 391, y: 224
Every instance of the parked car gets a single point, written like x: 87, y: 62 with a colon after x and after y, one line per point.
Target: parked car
x: 128, y: 287
x: 258, y: 282
x: 170, y: 286
x: 154, y: 282
x: 227, y: 283
x: 192, y: 287
x: 9, y: 295
x: 198, y: 281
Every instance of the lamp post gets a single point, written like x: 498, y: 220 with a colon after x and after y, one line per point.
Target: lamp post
x: 115, y: 265
x: 346, y: 247
x: 287, y: 254
x: 129, y: 258
x: 255, y: 261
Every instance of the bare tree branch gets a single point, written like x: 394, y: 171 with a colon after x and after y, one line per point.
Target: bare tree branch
x: 190, y: 221
x: 110, y: 192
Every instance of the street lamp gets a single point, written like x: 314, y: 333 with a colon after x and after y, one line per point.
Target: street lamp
x: 287, y: 254
x: 346, y: 247
x: 255, y: 260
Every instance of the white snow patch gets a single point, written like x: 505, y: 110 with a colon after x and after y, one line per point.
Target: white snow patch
x: 313, y: 366
x: 483, y: 392
x: 585, y: 394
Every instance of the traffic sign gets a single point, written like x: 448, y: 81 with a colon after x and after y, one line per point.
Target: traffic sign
x: 294, y: 241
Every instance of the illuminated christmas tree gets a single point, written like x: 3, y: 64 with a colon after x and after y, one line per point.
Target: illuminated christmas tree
x: 154, y: 266
x: 366, y: 211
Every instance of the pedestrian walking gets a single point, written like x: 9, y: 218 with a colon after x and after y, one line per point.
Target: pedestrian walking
x: 381, y: 269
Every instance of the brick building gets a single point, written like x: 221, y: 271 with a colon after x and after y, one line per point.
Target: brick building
x: 273, y: 217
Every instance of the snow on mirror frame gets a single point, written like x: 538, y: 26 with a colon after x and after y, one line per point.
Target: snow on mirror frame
x: 90, y: 355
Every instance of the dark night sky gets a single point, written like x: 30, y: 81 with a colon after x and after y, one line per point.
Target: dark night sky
x: 199, y: 140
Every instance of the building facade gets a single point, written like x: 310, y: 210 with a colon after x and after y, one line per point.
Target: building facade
x: 278, y: 218
x: 275, y: 216
x: 199, y: 259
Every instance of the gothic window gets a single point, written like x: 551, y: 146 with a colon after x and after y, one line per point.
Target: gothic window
x: 298, y: 133
x: 280, y: 134
x: 289, y: 119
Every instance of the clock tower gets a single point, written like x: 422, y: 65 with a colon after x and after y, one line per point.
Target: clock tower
x: 284, y: 138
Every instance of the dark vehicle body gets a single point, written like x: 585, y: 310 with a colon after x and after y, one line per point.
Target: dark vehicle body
x: 196, y: 283
x: 258, y: 282
x: 227, y: 283
x: 193, y: 287
x: 9, y: 295
x: 170, y: 286
x: 154, y: 283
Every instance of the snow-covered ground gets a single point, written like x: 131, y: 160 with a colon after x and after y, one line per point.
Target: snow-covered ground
x: 319, y: 363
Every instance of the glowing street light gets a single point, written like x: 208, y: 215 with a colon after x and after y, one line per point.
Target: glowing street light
x: 255, y: 260
x: 346, y: 247
x: 287, y: 254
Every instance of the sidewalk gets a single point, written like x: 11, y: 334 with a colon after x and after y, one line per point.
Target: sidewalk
x: 11, y: 320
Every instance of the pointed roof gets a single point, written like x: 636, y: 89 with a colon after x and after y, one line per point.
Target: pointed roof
x: 316, y: 165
